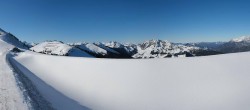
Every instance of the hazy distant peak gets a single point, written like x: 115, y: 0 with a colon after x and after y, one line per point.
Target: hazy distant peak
x: 241, y: 39
x: 113, y: 44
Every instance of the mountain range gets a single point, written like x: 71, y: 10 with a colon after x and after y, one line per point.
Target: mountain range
x: 147, y: 49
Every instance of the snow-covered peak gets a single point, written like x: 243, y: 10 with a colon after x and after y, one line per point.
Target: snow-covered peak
x: 55, y: 47
x: 58, y: 48
x: 161, y: 49
x: 113, y: 44
x: 155, y: 44
x: 153, y: 49
x: 241, y: 39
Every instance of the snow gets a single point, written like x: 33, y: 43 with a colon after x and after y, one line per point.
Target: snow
x: 59, y: 48
x: 106, y: 48
x: 53, y: 98
x: 11, y: 97
x: 93, y: 48
x: 53, y: 47
x: 219, y: 82
x: 160, y: 49
x: 130, y: 48
x: 11, y: 39
x: 240, y: 39
x: 113, y: 44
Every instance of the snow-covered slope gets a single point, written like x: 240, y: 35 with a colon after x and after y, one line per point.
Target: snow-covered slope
x: 92, y: 48
x: 102, y: 45
x: 11, y: 39
x: 58, y: 48
x: 219, y: 82
x: 98, y: 50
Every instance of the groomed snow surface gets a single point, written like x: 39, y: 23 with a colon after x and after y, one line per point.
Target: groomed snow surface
x: 219, y: 82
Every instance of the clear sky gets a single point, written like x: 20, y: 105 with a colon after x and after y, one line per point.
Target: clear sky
x: 125, y: 20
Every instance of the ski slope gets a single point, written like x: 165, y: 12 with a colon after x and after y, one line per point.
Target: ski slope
x: 219, y: 82
x: 11, y: 97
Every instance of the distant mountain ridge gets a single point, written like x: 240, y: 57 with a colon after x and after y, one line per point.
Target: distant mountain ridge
x: 240, y: 44
x: 147, y: 49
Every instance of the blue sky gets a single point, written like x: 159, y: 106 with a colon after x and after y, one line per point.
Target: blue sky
x: 125, y: 20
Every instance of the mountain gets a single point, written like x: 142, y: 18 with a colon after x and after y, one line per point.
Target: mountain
x: 11, y: 39
x: 92, y: 48
x: 126, y: 51
x: 29, y: 45
x: 98, y: 50
x: 241, y: 39
x: 240, y: 44
x: 59, y: 48
x: 207, y: 45
x: 113, y: 49
x: 147, y: 49
x: 101, y: 45
x: 162, y: 49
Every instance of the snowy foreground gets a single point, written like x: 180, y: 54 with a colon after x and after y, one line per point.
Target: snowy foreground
x: 10, y: 95
x: 219, y: 82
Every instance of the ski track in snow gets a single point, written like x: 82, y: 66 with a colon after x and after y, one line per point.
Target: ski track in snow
x: 10, y: 95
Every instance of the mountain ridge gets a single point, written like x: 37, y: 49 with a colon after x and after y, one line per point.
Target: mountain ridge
x: 154, y: 48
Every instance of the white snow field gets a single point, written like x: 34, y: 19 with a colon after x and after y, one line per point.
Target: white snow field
x: 11, y: 97
x: 219, y: 82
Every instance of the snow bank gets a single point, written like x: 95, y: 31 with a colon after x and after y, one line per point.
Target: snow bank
x: 219, y: 82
